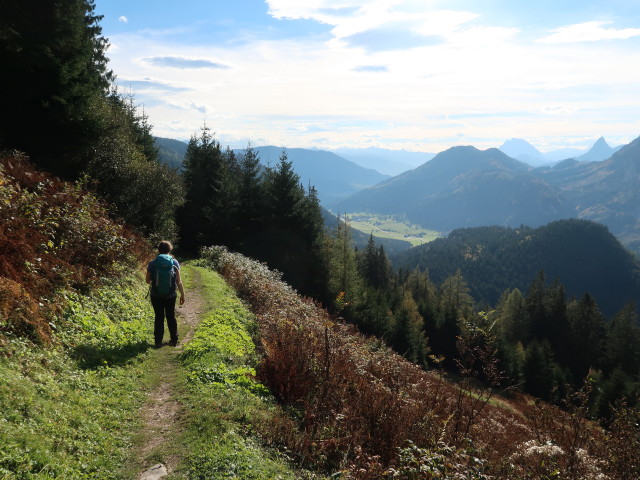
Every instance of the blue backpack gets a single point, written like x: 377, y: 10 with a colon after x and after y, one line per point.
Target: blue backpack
x: 163, y: 277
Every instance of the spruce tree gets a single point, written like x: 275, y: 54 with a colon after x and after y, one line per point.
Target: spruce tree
x: 203, y: 176
x: 344, y: 281
x: 622, y: 342
x: 251, y: 195
x: 54, y: 71
x: 587, y: 335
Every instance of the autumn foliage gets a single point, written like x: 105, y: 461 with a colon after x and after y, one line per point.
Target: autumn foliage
x: 355, y: 406
x: 53, y: 236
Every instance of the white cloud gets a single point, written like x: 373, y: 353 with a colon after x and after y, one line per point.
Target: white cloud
x: 123, y: 19
x: 502, y: 84
x: 589, y: 32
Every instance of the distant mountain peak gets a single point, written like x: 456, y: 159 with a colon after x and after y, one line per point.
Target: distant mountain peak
x: 598, y: 152
x: 521, y: 150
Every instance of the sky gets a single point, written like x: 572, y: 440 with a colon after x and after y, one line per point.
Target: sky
x: 417, y: 75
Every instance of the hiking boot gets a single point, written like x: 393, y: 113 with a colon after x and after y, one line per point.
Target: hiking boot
x: 173, y: 343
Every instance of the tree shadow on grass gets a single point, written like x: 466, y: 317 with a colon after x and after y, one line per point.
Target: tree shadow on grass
x: 94, y: 356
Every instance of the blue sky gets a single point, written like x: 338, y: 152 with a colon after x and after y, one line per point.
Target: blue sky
x: 420, y: 75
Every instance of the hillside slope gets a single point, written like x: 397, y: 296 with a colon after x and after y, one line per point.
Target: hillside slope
x: 464, y: 186
x: 583, y: 255
x: 370, y: 414
x: 605, y: 192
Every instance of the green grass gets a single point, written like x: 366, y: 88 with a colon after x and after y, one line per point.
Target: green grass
x: 389, y: 226
x: 71, y: 410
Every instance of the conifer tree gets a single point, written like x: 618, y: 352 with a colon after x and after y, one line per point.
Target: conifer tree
x: 454, y: 303
x: 54, y: 71
x: 512, y: 317
x: 344, y: 280
x: 587, y: 335
x: 408, y: 335
x: 250, y: 194
x: 538, y: 370
x: 203, y: 169
x: 622, y: 343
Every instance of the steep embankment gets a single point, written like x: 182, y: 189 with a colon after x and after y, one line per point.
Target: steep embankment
x: 363, y: 410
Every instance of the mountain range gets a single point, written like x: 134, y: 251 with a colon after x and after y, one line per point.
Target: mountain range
x: 522, y: 150
x: 467, y: 187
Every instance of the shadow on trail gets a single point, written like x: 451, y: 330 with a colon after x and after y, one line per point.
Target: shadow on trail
x: 94, y: 356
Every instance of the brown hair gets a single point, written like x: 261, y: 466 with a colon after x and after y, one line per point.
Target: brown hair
x: 165, y: 246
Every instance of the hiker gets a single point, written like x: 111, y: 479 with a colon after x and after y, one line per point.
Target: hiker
x: 163, y: 275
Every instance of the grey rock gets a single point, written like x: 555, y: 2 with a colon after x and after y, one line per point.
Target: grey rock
x: 155, y: 473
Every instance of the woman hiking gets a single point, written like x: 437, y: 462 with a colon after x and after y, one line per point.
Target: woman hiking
x: 163, y: 275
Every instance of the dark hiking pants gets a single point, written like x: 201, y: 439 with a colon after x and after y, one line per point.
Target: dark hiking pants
x: 164, y: 307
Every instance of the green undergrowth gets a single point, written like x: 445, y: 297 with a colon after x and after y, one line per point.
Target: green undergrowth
x: 223, y: 402
x: 70, y: 409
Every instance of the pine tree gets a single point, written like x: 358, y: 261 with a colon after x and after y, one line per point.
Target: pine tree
x: 203, y: 173
x: 587, y: 335
x: 251, y: 195
x: 54, y: 71
x: 535, y: 302
x: 375, y: 266
x: 408, y: 336
x: 513, y: 320
x: 622, y: 342
x: 454, y: 303
x: 538, y: 370
x: 344, y: 281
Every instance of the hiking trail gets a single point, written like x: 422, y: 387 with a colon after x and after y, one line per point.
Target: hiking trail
x: 162, y: 410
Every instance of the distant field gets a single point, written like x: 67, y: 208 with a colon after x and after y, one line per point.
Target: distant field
x: 387, y: 226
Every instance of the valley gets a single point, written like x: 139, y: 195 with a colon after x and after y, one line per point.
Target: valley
x: 390, y: 227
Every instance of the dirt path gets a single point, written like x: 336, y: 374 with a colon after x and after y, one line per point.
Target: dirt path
x: 161, y: 413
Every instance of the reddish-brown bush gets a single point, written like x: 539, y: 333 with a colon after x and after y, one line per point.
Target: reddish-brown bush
x: 20, y: 314
x: 53, y: 236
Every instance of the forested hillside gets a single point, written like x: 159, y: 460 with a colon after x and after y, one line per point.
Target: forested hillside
x: 583, y: 255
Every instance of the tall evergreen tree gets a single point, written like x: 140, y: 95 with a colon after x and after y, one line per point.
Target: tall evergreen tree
x: 587, y: 335
x: 344, y: 281
x: 251, y: 195
x: 538, y: 370
x: 454, y: 303
x: 375, y: 266
x: 622, y: 343
x: 203, y: 170
x: 285, y: 194
x: 408, y: 336
x: 54, y: 71
x: 512, y: 317
x: 535, y: 301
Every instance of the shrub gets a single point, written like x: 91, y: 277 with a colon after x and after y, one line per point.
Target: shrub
x: 54, y: 236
